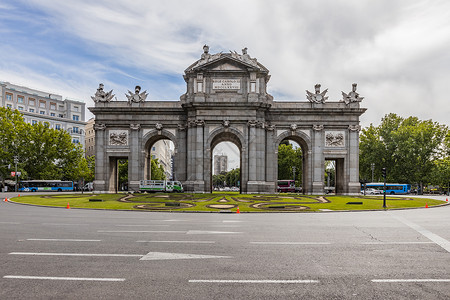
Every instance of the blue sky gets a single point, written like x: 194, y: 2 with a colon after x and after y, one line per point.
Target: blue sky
x: 397, y: 51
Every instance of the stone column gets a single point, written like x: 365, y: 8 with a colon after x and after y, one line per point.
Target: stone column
x: 318, y: 164
x: 252, y: 157
x: 191, y: 148
x: 199, y: 172
x: 100, y: 157
x: 134, y: 172
x: 354, y: 187
x: 180, y: 158
x: 271, y: 153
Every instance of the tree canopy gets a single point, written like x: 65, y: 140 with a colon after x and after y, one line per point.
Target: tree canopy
x: 412, y: 150
x: 289, y: 157
x: 42, y: 152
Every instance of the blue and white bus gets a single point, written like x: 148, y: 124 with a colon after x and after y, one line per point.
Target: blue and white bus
x: 45, y: 186
x: 391, y: 188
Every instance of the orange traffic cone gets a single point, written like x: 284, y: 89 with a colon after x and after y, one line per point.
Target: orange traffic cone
x: 6, y: 199
x: 426, y: 205
x: 238, y: 212
x: 18, y: 195
x: 68, y: 206
x: 446, y: 199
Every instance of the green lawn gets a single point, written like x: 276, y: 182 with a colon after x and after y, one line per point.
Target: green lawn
x: 224, y: 201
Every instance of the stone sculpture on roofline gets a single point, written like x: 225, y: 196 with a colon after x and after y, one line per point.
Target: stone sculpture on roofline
x: 318, y: 97
x: 352, y: 96
x: 136, y: 97
x: 101, y: 95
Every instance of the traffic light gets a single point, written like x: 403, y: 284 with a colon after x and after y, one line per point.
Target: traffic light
x: 383, y: 172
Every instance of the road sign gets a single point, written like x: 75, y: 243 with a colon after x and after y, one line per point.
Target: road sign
x: 13, y: 174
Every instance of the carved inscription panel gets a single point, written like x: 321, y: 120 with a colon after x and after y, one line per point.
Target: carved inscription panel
x: 226, y: 84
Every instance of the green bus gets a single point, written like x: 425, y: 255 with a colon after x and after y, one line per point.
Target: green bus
x: 160, y: 186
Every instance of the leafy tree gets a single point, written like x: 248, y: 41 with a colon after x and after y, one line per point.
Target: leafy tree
x: 12, y: 131
x: 406, y: 147
x: 232, y: 177
x: 157, y: 170
x: 43, y: 153
x: 287, y: 158
x: 219, y: 179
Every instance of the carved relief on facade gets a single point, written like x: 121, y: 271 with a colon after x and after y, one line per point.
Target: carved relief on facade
x: 99, y: 126
x: 317, y: 127
x: 226, y: 123
x: 158, y: 126
x: 252, y: 123
x: 334, y: 139
x: 118, y: 137
x: 354, y: 127
x: 135, y: 126
x: 270, y: 127
x: 293, y: 127
x: 181, y: 127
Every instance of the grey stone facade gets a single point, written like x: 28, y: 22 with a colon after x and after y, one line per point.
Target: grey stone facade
x: 227, y: 100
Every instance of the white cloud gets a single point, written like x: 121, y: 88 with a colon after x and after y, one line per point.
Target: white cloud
x: 395, y: 50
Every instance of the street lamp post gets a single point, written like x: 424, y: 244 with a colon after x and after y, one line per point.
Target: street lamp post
x: 293, y: 171
x: 16, y: 160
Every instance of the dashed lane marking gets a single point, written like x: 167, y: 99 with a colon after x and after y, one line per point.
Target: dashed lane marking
x: 409, y: 280
x: 252, y: 281
x: 181, y: 242
x: 75, y: 254
x: 291, y: 243
x: 62, y: 278
x: 64, y: 240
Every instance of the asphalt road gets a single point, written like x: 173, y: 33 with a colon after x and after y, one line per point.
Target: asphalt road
x: 55, y: 253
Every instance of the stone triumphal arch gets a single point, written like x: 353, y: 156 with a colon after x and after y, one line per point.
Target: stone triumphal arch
x: 227, y: 100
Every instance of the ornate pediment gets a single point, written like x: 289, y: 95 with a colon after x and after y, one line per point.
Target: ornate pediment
x: 232, y: 61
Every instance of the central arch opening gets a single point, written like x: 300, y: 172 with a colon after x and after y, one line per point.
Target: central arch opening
x: 225, y: 164
x: 159, y: 156
x: 293, y: 164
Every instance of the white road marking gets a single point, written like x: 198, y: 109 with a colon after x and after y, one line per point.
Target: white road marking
x: 185, y: 242
x: 232, y: 221
x: 64, y: 224
x: 409, y: 280
x: 76, y: 254
x: 140, y: 231
x: 210, y: 232
x: 428, y: 234
x: 64, y: 240
x: 155, y: 225
x: 291, y: 243
x: 396, y: 243
x: 253, y: 281
x: 166, y: 256
x: 13, y: 223
x: 63, y: 278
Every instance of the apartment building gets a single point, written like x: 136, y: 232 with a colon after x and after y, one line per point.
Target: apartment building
x: 50, y: 109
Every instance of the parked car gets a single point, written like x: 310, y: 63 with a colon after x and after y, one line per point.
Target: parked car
x: 371, y: 191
